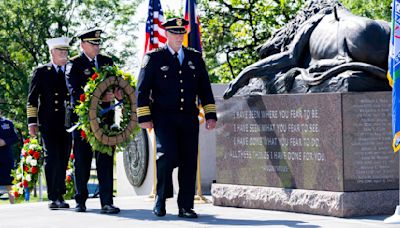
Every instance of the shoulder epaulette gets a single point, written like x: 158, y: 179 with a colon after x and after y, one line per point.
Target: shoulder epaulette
x: 75, y: 57
x: 43, y: 67
x: 192, y: 49
x: 156, y: 50
x: 107, y: 56
x: 4, y: 119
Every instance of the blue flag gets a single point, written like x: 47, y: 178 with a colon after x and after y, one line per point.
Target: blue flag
x: 394, y: 73
x: 193, y: 36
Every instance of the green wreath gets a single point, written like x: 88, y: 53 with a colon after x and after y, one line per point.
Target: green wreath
x: 94, y: 130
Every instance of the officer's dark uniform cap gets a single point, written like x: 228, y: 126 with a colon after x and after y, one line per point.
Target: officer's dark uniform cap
x: 176, y: 25
x: 91, y: 36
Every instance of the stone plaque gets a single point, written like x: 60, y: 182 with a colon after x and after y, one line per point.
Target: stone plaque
x: 302, y: 141
x: 136, y: 159
x: 369, y: 161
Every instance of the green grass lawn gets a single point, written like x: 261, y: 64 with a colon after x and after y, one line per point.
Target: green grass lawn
x: 93, y: 180
x: 33, y: 199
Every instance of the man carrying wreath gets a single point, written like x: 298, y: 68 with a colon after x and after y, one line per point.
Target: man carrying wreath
x: 79, y: 70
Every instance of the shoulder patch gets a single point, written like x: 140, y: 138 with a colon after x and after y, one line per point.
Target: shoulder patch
x: 145, y: 61
x: 68, y: 68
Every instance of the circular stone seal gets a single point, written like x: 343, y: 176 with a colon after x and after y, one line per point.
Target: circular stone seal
x: 136, y: 159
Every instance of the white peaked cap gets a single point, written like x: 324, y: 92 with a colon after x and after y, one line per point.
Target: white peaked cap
x: 59, y: 42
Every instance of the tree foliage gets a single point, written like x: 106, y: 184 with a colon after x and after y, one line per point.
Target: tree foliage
x: 232, y: 29
x: 374, y: 9
x: 26, y: 24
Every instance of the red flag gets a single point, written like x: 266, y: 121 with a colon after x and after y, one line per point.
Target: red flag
x: 193, y: 36
x: 155, y: 33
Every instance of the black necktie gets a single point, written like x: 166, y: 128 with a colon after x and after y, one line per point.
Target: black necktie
x: 93, y: 63
x: 176, y: 59
x: 60, y: 71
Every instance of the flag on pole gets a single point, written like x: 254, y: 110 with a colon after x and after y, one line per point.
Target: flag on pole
x: 193, y: 36
x: 394, y: 73
x: 155, y: 33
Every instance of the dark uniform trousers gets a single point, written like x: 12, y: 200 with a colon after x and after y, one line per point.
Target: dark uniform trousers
x: 167, y: 94
x: 8, y: 134
x: 104, y: 164
x: 177, y: 139
x: 79, y: 69
x: 47, y: 98
x: 57, y: 146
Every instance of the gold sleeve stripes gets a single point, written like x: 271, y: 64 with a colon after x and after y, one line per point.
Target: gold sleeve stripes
x: 143, y: 111
x: 210, y: 108
x: 31, y: 111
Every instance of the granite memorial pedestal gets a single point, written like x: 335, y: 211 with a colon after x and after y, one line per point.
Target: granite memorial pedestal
x: 327, y: 153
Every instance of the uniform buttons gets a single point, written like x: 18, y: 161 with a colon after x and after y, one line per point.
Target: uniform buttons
x: 165, y: 76
x: 56, y: 109
x: 181, y: 81
x: 56, y: 94
x: 56, y: 102
x: 181, y: 90
x: 67, y: 94
x: 181, y: 108
x: 180, y: 72
x: 182, y: 99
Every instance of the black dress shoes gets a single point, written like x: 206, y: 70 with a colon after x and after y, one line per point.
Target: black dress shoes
x: 62, y: 204
x: 187, y: 213
x: 80, y: 207
x: 159, y: 207
x: 109, y: 209
x: 53, y: 205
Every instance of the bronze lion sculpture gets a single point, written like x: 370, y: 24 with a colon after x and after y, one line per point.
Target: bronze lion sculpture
x: 324, y: 48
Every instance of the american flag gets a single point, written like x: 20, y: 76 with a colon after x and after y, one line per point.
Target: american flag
x: 155, y: 33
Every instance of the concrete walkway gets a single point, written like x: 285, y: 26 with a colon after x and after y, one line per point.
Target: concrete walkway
x: 136, y: 212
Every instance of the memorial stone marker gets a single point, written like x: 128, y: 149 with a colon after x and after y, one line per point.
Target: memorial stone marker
x: 337, y: 142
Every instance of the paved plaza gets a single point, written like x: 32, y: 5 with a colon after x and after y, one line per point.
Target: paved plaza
x: 136, y: 212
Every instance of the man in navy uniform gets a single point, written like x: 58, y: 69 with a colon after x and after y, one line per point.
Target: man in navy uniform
x: 47, y: 99
x: 171, y: 81
x: 8, y: 136
x: 79, y: 69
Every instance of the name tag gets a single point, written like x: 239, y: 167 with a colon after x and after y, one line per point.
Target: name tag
x: 191, y: 65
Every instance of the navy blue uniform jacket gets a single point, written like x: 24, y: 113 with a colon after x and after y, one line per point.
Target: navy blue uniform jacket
x: 47, y: 98
x: 164, y: 88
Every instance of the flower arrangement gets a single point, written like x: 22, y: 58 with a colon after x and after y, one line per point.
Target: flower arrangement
x: 29, y: 168
x: 69, y: 179
x: 106, y: 137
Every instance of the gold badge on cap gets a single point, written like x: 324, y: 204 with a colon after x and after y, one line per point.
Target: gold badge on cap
x: 97, y: 35
x: 179, y: 22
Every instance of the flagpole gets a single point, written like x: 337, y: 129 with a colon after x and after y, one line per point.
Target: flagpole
x: 155, y: 38
x: 393, y: 52
x: 153, y: 193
